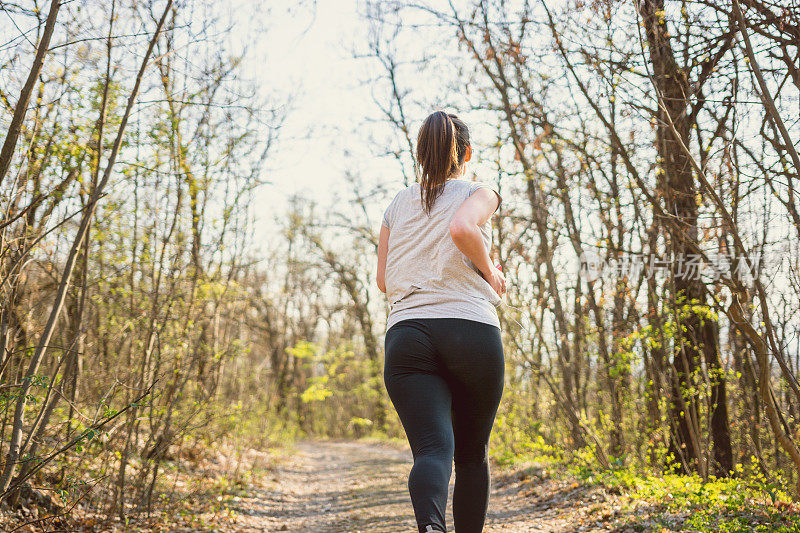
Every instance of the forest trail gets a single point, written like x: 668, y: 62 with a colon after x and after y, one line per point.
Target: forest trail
x: 345, y: 486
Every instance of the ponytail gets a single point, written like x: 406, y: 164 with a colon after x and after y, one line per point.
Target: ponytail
x: 441, y: 149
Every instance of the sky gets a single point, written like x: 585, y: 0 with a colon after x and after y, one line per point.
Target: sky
x: 309, y: 57
x: 311, y: 53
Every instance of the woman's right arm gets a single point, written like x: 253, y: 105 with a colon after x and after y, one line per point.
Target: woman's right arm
x: 466, y: 234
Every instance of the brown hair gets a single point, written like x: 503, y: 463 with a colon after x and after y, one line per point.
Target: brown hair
x: 441, y: 149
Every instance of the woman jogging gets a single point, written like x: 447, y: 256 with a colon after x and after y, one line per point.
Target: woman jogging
x: 444, y: 357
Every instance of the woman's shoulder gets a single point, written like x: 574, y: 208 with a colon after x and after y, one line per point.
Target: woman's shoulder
x: 398, y: 203
x: 469, y: 185
x: 408, y: 189
x: 402, y: 192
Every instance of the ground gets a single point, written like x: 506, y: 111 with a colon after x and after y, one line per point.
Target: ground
x: 318, y: 486
x: 361, y: 487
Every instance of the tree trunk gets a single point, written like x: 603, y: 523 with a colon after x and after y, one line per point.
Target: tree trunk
x: 14, y: 130
x: 696, y: 333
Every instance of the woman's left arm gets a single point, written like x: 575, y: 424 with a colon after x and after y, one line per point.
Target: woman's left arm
x: 383, y: 249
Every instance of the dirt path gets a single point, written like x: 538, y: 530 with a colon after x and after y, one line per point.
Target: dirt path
x: 361, y: 487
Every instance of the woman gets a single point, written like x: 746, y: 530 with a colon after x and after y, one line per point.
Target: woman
x: 444, y: 357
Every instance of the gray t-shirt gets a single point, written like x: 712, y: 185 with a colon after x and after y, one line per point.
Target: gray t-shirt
x: 427, y: 276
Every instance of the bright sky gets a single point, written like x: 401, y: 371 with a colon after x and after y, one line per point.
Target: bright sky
x: 308, y: 55
x: 311, y: 54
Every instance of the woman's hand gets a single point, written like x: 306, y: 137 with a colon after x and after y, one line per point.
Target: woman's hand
x: 497, y: 280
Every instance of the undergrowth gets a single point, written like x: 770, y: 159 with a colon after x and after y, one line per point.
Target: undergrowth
x: 743, y: 502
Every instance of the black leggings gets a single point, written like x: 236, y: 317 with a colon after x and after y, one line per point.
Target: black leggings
x: 445, y: 379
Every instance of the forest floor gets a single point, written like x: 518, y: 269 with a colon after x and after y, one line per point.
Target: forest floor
x: 317, y: 486
x: 327, y: 486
